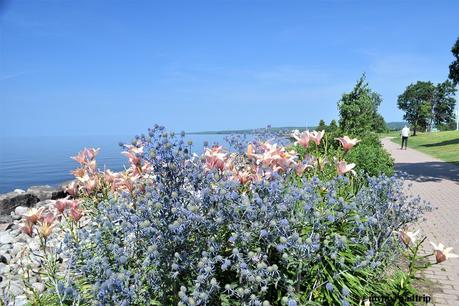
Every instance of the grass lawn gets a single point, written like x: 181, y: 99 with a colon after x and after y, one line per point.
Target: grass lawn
x: 389, y: 134
x: 442, y: 145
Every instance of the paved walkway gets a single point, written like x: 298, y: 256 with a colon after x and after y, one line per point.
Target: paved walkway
x: 438, y: 183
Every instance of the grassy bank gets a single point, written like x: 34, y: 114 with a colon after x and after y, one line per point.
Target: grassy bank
x: 442, y: 145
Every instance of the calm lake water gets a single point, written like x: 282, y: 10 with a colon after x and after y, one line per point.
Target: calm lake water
x: 28, y: 161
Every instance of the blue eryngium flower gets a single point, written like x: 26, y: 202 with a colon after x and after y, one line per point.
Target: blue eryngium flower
x: 200, y: 237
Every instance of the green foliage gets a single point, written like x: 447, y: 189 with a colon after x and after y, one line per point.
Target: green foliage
x: 443, y: 103
x: 448, y: 126
x: 454, y: 67
x: 371, y: 157
x: 379, y: 124
x: 333, y: 127
x: 414, y: 101
x: 358, y: 110
x: 426, y: 104
x: 322, y: 126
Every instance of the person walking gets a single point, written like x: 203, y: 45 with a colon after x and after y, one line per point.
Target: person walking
x: 405, y: 134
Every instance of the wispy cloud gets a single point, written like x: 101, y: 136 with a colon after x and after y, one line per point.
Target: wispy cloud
x: 6, y: 77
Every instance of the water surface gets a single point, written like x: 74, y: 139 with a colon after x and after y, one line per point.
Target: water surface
x: 29, y: 161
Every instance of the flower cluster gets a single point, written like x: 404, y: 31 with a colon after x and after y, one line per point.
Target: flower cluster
x: 91, y: 181
x: 246, y: 229
x: 45, y: 219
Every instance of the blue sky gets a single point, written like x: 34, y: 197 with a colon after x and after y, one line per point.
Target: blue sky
x: 117, y: 67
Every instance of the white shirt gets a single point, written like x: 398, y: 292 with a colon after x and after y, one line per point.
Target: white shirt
x: 405, y: 132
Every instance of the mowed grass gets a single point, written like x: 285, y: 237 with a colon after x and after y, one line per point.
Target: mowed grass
x: 442, y: 145
x: 389, y: 134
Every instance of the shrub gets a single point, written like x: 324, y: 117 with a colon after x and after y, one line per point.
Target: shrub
x: 239, y: 229
x: 371, y: 157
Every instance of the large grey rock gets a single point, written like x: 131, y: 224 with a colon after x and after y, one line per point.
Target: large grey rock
x: 11, y: 200
x: 20, y: 210
x: 6, y: 237
x: 47, y: 192
x: 5, y: 219
x: 4, y: 269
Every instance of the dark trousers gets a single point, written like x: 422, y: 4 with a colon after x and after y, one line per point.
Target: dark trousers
x: 404, y: 141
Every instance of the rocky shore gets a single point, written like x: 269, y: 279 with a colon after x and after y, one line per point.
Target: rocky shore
x: 19, y: 253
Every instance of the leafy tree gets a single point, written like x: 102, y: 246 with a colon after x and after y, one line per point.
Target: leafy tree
x: 416, y: 101
x: 454, y: 67
x: 426, y: 104
x: 322, y: 125
x: 379, y: 125
x: 333, y: 126
x: 443, y: 103
x: 358, y: 110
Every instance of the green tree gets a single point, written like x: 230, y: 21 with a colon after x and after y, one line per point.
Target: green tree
x: 333, y: 126
x: 415, y: 101
x: 358, y: 110
x: 426, y: 105
x: 454, y: 67
x: 379, y: 125
x: 322, y: 125
x: 443, y: 103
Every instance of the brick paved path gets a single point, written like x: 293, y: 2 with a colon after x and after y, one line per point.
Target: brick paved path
x: 438, y: 183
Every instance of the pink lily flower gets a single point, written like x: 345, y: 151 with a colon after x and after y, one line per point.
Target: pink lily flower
x: 127, y: 183
x: 317, y: 136
x: 91, y: 152
x: 91, y: 185
x: 45, y: 229
x: 243, y: 177
x: 61, y: 205
x: 275, y: 157
x: 27, y: 228
x: 74, y: 204
x: 110, y: 176
x: 72, y: 189
x: 215, y: 158
x: 134, y: 149
x: 133, y: 158
x: 442, y: 253
x: 48, y: 218
x: 92, y: 166
x: 78, y: 172
x: 75, y: 214
x: 342, y: 167
x: 80, y: 157
x: 302, y: 139
x: 301, y: 168
x: 34, y: 214
x: 347, y: 142
x: 407, y: 237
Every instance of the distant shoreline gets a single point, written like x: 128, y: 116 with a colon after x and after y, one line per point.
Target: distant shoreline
x: 391, y: 125
x: 248, y: 131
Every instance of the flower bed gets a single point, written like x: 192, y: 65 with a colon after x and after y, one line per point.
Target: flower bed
x: 287, y: 225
